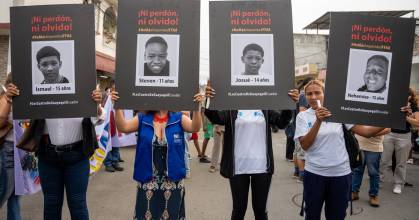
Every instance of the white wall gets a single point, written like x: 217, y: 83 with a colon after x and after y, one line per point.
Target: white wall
x: 4, y: 10
x: 100, y: 44
x: 310, y: 48
x: 414, y: 77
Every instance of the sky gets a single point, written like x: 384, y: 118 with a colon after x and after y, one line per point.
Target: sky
x: 304, y: 12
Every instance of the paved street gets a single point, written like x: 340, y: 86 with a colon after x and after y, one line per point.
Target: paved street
x: 112, y: 195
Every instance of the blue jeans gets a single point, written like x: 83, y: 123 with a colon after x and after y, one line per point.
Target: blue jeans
x: 372, y: 161
x: 69, y: 170
x: 7, y: 182
x: 112, y: 158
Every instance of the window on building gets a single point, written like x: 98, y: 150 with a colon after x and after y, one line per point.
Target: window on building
x: 109, y: 25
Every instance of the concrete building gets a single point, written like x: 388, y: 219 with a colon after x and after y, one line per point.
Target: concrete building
x: 105, y: 38
x: 310, y: 52
x: 310, y: 49
x: 4, y: 37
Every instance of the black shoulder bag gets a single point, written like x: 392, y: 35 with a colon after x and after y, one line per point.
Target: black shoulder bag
x: 352, y: 147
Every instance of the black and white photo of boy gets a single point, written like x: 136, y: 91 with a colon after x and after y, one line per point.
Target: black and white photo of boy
x: 53, y: 67
x: 252, y: 60
x: 157, y: 61
x: 155, y: 56
x: 49, y: 63
x: 375, y: 76
x: 368, y: 76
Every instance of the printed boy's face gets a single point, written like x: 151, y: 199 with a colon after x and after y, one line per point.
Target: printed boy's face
x: 50, y: 67
x: 375, y: 75
x: 156, y: 57
x: 252, y: 60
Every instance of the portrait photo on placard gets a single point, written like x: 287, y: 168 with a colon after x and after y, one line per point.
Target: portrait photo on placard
x: 368, y: 76
x: 252, y: 60
x: 157, y: 60
x: 53, y: 67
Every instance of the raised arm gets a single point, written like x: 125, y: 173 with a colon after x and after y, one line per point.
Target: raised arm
x: 413, y: 119
x: 195, y: 124
x: 216, y: 117
x: 307, y: 140
x: 123, y: 125
x: 366, y: 131
x: 370, y: 131
x: 6, y: 102
x: 383, y: 132
x: 5, y: 107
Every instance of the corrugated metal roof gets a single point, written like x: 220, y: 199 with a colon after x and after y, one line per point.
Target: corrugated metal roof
x: 323, y: 22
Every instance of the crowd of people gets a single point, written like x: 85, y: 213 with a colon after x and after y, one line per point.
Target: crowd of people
x: 243, y: 139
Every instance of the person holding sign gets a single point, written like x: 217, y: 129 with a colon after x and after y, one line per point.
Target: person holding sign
x: 372, y: 149
x: 375, y: 76
x: 327, y: 175
x: 155, y: 56
x: 63, y: 146
x: 247, y: 157
x: 49, y: 63
x: 160, y: 164
x: 399, y: 142
x: 7, y: 176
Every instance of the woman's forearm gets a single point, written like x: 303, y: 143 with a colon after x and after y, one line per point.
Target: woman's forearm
x: 5, y: 108
x: 120, y: 120
x: 366, y: 131
x: 196, y: 121
x: 414, y: 121
x: 307, y: 140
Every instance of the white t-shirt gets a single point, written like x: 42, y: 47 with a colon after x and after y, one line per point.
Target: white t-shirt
x: 250, y: 142
x: 64, y: 130
x: 327, y: 156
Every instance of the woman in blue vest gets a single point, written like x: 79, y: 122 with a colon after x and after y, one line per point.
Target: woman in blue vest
x: 159, y: 165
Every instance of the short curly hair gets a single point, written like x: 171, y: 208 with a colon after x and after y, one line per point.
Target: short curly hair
x: 47, y: 51
x: 253, y: 46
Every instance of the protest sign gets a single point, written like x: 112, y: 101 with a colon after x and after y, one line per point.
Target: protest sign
x: 157, y: 54
x: 368, y: 69
x: 251, y: 54
x: 53, y: 61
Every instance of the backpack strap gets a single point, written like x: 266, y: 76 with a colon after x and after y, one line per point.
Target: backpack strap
x: 302, y: 207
